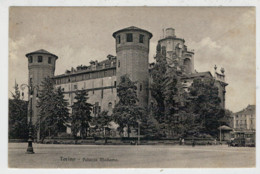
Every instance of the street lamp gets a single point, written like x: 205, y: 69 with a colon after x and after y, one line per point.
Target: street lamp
x: 30, y: 92
x: 139, y: 122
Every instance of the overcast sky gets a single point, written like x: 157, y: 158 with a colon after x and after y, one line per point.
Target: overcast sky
x: 222, y: 36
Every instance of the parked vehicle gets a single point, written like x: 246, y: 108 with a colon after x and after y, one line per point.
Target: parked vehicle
x: 242, y: 142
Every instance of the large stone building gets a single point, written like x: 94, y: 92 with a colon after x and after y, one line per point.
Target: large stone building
x: 100, y: 78
x: 244, y: 122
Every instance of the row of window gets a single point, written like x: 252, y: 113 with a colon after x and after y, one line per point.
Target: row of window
x: 91, y: 75
x: 39, y: 59
x: 244, y: 116
x: 241, y: 122
x: 129, y: 38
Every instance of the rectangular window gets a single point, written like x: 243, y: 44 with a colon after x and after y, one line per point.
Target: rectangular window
x: 129, y: 37
x: 49, y: 60
x: 141, y: 38
x: 118, y: 63
x: 118, y: 39
x: 75, y: 87
x: 39, y: 59
x: 115, y: 83
x: 30, y: 59
x: 102, y: 93
x: 141, y: 87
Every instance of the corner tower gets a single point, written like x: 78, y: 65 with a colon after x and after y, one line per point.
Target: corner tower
x: 132, y: 49
x: 41, y: 64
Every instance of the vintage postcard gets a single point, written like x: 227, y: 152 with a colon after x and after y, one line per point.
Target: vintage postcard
x: 132, y: 87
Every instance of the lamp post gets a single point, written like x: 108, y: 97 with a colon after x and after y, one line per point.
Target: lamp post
x: 30, y: 92
x: 139, y: 122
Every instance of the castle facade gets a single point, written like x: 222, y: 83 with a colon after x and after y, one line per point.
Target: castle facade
x: 132, y: 57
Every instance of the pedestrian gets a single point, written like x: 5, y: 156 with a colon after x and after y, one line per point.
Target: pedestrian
x: 193, y: 143
x: 180, y: 141
x: 215, y: 141
x: 183, y: 141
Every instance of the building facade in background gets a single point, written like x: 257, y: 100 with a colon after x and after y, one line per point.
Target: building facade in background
x: 244, y: 122
x: 132, y: 57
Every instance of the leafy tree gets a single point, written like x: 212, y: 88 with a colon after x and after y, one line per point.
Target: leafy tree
x: 176, y: 115
x: 18, y: 110
x: 53, y: 109
x: 127, y: 113
x: 81, y: 111
x: 205, y: 106
x: 150, y: 127
x: 102, y: 120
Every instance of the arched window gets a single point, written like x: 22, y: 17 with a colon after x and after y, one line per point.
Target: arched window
x: 109, y: 105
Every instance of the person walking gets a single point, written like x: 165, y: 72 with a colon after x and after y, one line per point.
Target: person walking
x: 193, y: 143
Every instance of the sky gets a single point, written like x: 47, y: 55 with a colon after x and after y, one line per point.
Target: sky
x: 222, y: 36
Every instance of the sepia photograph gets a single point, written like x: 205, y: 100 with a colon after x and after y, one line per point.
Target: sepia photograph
x: 131, y: 87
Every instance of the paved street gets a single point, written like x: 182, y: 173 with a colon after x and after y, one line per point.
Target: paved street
x: 111, y: 156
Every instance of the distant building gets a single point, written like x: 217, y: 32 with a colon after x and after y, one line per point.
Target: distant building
x: 244, y: 122
x: 101, y: 78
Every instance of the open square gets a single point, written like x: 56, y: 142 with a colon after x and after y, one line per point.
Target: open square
x: 110, y: 156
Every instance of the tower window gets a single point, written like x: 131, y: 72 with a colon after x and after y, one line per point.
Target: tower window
x: 129, y: 37
x: 118, y: 39
x: 49, y: 60
x: 30, y: 59
x: 118, y: 63
x: 114, y: 83
x: 141, y: 38
x: 39, y: 59
x: 141, y: 87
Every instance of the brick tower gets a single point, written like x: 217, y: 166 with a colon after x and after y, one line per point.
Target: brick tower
x: 132, y: 49
x: 41, y: 64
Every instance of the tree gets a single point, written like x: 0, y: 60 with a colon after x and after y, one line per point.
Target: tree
x: 205, y: 106
x: 175, y: 100
x: 127, y: 113
x: 81, y: 111
x: 102, y: 120
x: 157, y: 87
x: 53, y: 109
x: 18, y: 109
x: 61, y: 111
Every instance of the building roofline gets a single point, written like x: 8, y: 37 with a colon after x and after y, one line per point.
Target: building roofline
x: 82, y: 72
x: 171, y: 37
x: 41, y: 52
x: 132, y: 28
